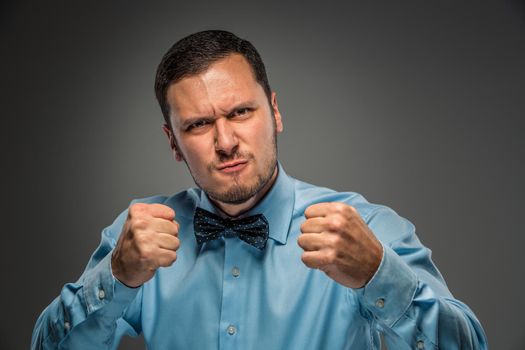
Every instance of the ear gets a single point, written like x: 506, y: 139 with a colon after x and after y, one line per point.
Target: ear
x: 173, y: 142
x: 276, y: 114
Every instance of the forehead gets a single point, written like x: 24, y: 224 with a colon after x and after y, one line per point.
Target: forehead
x: 224, y: 84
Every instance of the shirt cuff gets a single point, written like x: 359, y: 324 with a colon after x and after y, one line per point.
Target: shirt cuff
x: 103, y: 290
x: 391, y: 290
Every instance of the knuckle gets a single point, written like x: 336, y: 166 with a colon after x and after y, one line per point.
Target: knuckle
x: 300, y: 241
x: 352, y: 213
x: 137, y: 208
x: 176, y: 243
x: 141, y: 240
x: 139, y: 223
x: 308, y: 211
x: 303, y: 226
x: 168, y: 211
x: 339, y: 208
x: 176, y: 229
x: 145, y: 253
x: 168, y: 259
x: 306, y: 260
x: 335, y: 241
x: 330, y: 257
x: 335, y: 224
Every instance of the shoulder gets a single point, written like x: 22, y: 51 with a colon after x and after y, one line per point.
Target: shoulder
x: 386, y: 224
x: 307, y: 194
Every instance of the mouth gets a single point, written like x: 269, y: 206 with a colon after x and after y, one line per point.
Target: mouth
x: 232, y: 166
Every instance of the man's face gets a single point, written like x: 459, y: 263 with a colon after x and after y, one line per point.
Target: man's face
x: 225, y: 130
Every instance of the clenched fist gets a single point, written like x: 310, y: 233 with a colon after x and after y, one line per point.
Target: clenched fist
x: 337, y: 241
x: 148, y: 241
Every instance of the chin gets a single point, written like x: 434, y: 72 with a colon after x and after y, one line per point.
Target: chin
x: 234, y: 194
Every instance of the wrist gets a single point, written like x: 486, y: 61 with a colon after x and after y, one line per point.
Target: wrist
x: 118, y: 271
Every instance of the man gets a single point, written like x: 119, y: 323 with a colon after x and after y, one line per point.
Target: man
x: 252, y: 258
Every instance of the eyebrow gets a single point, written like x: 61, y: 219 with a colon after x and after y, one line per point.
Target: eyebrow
x: 191, y: 120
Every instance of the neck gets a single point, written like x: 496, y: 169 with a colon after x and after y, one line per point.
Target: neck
x: 234, y: 210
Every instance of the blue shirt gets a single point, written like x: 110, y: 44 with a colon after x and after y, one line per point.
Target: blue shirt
x: 226, y: 294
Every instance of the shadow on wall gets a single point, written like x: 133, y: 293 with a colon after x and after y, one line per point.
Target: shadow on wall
x: 519, y: 6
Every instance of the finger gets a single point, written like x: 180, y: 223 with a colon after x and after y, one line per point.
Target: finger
x: 167, y: 258
x: 311, y: 242
x: 314, y: 225
x: 155, y: 210
x: 167, y: 241
x: 161, y: 211
x: 318, y: 259
x: 163, y: 225
x: 318, y: 210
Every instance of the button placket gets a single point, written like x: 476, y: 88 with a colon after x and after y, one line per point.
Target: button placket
x: 232, y: 294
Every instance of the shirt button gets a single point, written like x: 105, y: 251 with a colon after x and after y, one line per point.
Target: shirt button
x: 380, y: 303
x: 420, y: 344
x: 235, y: 271
x: 67, y: 325
x: 101, y: 294
x: 231, y: 329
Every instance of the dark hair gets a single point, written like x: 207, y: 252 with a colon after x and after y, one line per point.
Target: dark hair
x: 195, y: 53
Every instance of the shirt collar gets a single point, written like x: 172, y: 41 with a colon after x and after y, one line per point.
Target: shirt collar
x: 277, y: 206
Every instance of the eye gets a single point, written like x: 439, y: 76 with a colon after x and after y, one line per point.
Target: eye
x: 198, y: 124
x: 241, y: 112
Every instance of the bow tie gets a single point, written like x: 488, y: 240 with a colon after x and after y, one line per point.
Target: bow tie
x: 252, y: 229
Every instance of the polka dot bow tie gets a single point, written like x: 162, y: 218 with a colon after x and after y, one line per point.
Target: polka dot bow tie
x: 209, y: 226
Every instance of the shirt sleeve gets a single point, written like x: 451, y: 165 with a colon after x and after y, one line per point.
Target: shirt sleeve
x: 407, y: 297
x: 89, y: 314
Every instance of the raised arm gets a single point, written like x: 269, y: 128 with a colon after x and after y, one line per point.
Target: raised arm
x: 379, y: 257
x: 95, y: 311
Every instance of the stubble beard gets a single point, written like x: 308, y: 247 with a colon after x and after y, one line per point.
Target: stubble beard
x: 236, y: 192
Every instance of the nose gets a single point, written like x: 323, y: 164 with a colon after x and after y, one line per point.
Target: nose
x: 226, y: 142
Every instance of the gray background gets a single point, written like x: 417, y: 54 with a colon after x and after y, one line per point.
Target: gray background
x: 418, y: 105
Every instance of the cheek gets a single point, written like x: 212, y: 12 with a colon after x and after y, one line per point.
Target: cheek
x: 262, y: 133
x: 197, y: 153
